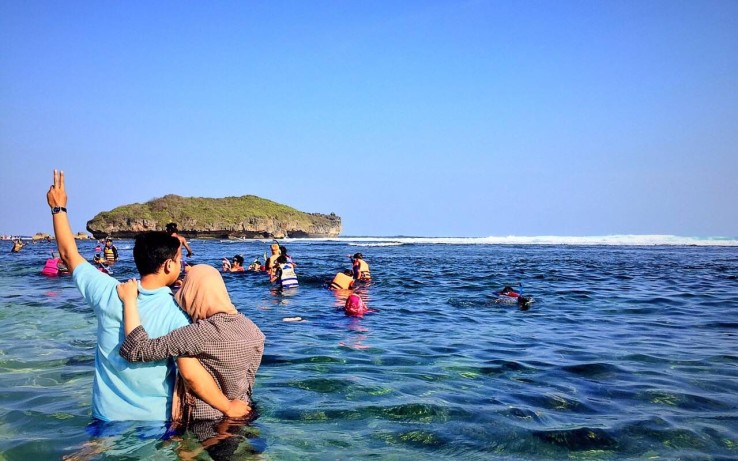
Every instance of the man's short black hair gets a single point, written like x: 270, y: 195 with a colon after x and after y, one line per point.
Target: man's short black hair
x: 171, y: 227
x: 152, y: 249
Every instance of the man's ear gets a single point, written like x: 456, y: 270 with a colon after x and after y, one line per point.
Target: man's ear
x: 167, y: 267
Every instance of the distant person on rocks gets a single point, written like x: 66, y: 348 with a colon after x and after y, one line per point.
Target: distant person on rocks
x: 120, y: 391
x: 172, y: 230
x: 361, y: 268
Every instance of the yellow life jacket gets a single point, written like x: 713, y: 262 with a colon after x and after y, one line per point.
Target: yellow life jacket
x: 109, y: 254
x: 364, y: 270
x: 341, y: 281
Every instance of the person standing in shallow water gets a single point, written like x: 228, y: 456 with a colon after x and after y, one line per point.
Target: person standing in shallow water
x: 121, y: 392
x: 172, y: 230
x: 110, y: 252
x: 284, y: 274
x: 227, y: 343
x: 361, y: 268
x: 271, y: 261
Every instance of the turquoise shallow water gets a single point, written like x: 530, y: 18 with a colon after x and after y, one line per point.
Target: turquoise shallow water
x: 630, y: 352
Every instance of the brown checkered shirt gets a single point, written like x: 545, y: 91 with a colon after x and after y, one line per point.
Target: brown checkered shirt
x: 229, y: 346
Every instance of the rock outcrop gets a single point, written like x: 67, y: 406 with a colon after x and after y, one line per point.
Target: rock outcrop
x: 219, y: 218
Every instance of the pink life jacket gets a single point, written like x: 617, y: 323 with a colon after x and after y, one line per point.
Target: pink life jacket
x: 51, y: 268
x: 355, y: 307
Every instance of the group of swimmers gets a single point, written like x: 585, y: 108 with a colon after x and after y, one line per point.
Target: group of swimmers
x: 281, y: 269
x: 279, y: 266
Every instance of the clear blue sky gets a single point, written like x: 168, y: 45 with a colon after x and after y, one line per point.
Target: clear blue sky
x: 425, y: 118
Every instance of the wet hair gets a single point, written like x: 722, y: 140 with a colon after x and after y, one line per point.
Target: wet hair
x: 348, y: 272
x: 152, y: 249
x: 238, y: 259
x: 282, y: 259
x: 283, y: 250
x: 171, y: 228
x: 358, y: 256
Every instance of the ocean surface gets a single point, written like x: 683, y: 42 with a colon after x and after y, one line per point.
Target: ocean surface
x: 630, y: 351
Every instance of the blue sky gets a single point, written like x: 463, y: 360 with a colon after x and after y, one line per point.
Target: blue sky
x: 424, y: 118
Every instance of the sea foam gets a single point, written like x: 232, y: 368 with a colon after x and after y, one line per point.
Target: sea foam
x: 610, y: 240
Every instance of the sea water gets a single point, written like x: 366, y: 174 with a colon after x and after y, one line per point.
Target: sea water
x: 629, y: 352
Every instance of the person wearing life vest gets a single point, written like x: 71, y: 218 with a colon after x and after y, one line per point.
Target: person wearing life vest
x: 99, y: 262
x: 361, y: 268
x: 54, y: 266
x: 343, y: 281
x: 355, y: 306
x: 110, y: 252
x: 284, y: 273
x: 283, y: 251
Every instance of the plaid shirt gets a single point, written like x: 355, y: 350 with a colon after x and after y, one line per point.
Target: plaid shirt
x: 229, y: 346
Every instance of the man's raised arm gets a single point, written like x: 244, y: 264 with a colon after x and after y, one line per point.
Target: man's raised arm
x: 57, y: 199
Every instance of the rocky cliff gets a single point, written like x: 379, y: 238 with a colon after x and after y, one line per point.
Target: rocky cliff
x: 220, y: 218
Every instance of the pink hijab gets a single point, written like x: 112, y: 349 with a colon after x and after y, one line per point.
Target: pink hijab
x: 203, y: 293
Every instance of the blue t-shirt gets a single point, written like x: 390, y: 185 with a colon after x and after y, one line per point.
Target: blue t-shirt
x: 122, y: 390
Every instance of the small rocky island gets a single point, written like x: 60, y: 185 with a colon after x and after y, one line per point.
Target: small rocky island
x: 248, y: 216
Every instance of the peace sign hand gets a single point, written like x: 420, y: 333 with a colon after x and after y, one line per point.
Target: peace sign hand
x: 57, y: 195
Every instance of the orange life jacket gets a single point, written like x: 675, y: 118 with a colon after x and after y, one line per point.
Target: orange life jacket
x: 342, y: 281
x: 364, y: 270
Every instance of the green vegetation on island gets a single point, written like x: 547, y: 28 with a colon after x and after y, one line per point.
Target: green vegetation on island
x: 248, y: 216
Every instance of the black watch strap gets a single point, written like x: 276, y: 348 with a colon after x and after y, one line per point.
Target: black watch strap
x: 57, y: 209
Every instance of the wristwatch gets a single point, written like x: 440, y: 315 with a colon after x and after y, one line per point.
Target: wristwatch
x: 57, y: 209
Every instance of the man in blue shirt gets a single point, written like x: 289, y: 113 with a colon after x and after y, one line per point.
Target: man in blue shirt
x: 123, y: 390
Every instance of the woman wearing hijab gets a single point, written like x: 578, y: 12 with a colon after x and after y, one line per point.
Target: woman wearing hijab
x: 227, y: 343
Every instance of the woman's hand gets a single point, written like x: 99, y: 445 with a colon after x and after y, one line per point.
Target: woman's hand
x: 128, y: 291
x: 237, y: 409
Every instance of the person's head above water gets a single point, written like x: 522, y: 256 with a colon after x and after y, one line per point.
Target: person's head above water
x: 354, y: 305
x: 203, y: 293
x: 358, y: 256
x: 171, y: 228
x: 275, y: 248
x: 238, y: 259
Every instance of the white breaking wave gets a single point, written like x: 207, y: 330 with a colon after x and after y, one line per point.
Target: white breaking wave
x: 612, y: 240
